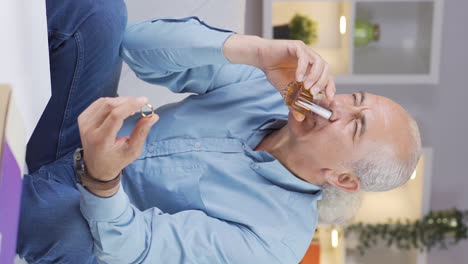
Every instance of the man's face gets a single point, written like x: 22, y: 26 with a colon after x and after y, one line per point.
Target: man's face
x: 360, y: 123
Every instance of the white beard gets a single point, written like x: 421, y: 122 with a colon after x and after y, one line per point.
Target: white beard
x: 337, y: 206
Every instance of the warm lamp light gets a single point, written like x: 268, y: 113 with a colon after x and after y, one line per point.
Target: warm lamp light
x: 342, y: 24
x: 334, y: 238
x: 413, y: 176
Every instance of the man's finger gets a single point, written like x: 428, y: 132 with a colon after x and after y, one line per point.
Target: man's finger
x: 315, y: 59
x: 298, y: 116
x: 315, y: 73
x: 330, y: 90
x: 95, y: 114
x: 85, y: 119
x: 302, y: 66
x: 321, y: 83
x: 100, y: 114
x: 139, y: 135
x: 114, y: 120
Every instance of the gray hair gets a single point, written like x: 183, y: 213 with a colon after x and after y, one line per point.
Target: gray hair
x: 337, y: 206
x: 380, y: 171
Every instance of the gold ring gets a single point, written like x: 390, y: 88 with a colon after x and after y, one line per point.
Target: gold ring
x: 147, y: 115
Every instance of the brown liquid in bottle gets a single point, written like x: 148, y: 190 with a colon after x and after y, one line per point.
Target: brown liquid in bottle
x: 295, y: 95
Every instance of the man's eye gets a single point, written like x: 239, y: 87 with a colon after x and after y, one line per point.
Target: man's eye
x: 355, y: 127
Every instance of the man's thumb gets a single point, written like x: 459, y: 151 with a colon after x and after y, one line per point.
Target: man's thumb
x: 140, y: 133
x: 298, y: 116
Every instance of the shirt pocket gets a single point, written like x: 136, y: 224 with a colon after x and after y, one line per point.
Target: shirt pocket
x: 171, y: 189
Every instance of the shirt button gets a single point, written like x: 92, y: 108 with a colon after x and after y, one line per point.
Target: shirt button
x: 244, y: 147
x: 197, y: 145
x: 151, y: 149
x: 255, y: 166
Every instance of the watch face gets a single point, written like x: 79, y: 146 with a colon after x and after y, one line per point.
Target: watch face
x: 83, y: 178
x: 78, y: 164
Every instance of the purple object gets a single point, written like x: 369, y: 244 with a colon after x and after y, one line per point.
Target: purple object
x: 10, y: 196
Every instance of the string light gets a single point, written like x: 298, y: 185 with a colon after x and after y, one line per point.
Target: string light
x: 342, y: 24
x: 334, y: 238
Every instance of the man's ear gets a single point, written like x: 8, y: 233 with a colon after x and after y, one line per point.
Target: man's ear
x: 345, y: 181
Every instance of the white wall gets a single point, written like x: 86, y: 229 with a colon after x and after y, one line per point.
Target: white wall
x: 227, y: 14
x: 24, y: 64
x: 24, y: 54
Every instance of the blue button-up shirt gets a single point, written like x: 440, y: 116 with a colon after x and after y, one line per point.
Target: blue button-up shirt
x: 199, y: 193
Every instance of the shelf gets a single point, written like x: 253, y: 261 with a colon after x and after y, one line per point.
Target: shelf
x: 405, y: 43
x: 333, y: 46
x: 407, y: 52
x: 382, y: 255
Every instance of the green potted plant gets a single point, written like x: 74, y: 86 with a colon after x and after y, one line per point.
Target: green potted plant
x: 438, y: 229
x: 300, y: 27
x: 365, y: 32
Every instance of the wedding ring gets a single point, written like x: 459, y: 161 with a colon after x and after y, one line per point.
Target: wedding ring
x: 143, y: 114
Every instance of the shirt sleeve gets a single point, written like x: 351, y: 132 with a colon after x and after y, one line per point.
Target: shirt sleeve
x: 185, y: 55
x: 124, y: 234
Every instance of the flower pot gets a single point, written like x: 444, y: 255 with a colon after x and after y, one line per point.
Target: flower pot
x: 281, y: 32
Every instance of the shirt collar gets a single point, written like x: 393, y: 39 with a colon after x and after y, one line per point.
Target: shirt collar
x: 264, y: 129
x: 271, y: 168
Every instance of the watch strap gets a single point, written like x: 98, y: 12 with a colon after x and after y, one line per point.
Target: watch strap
x: 88, y: 181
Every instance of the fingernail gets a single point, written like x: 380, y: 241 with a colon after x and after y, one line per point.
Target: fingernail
x: 298, y: 116
x: 143, y: 99
x: 319, y: 96
x: 154, y: 119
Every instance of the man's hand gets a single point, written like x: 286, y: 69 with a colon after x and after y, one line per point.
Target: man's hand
x: 286, y: 60
x: 283, y: 61
x: 105, y: 155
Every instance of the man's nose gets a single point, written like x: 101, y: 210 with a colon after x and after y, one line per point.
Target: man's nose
x: 343, y: 111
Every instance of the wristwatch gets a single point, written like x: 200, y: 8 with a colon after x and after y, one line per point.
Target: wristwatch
x: 86, y: 180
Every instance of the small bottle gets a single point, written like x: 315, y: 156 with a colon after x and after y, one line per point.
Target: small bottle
x: 298, y: 98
